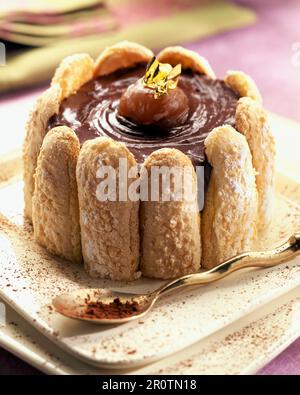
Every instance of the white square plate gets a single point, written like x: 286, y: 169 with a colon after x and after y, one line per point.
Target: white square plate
x: 30, y: 278
x: 241, y: 348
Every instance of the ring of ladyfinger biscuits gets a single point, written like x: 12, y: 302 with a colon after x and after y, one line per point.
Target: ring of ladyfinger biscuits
x: 162, y: 239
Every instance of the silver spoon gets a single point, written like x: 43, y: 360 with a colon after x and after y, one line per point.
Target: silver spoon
x: 74, y: 304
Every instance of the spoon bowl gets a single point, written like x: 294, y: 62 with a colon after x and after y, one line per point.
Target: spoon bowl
x: 76, y: 304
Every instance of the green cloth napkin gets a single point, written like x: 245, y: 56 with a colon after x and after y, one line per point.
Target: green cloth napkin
x: 51, y: 21
x: 38, y: 65
x: 44, y: 6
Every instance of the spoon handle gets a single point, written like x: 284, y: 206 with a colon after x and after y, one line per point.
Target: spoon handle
x: 285, y: 252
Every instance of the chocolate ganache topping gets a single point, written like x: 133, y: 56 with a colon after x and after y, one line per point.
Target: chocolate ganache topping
x: 93, y: 111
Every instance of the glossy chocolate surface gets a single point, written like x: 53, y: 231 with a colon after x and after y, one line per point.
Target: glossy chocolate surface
x: 93, y: 112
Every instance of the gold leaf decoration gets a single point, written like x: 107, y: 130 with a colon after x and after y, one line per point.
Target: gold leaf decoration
x: 161, y: 77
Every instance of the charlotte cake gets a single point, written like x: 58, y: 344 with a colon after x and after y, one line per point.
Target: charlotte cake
x: 96, y: 113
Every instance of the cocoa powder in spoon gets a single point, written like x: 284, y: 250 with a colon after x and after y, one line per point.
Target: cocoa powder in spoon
x: 113, y: 310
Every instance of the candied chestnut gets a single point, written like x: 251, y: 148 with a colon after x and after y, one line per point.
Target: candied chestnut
x: 139, y: 104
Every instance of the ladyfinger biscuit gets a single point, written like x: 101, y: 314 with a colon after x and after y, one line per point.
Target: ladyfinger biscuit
x: 188, y: 60
x: 55, y: 212
x: 230, y: 210
x: 170, y: 228
x: 109, y: 228
x: 251, y: 121
x: 46, y: 106
x: 121, y: 55
x: 243, y: 85
x: 73, y: 72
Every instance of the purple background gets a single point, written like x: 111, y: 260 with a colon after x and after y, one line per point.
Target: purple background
x: 264, y: 50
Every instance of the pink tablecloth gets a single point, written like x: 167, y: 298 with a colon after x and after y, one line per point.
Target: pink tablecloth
x: 267, y: 51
